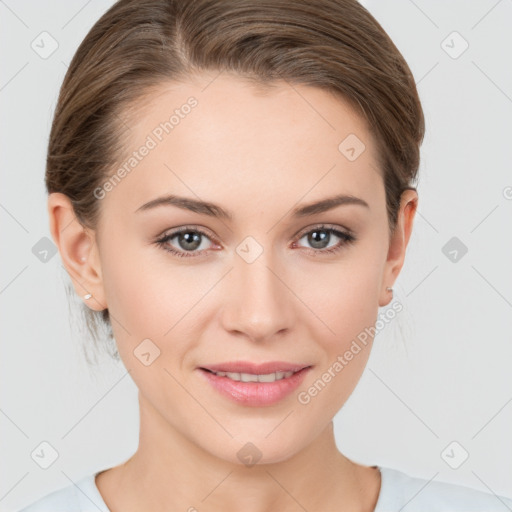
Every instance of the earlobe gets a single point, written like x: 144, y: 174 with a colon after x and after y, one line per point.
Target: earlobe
x: 78, y: 250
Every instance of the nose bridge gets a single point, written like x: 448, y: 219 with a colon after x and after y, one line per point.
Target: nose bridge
x: 259, y: 302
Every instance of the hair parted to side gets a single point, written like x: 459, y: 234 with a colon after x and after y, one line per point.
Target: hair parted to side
x: 137, y: 45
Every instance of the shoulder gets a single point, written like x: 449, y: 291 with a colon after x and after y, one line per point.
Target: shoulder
x: 400, y: 491
x: 82, y: 496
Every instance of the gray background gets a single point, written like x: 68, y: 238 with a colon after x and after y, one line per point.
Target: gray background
x: 438, y: 374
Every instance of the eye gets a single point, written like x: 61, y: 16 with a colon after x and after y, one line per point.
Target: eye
x: 188, y: 240
x: 320, y: 236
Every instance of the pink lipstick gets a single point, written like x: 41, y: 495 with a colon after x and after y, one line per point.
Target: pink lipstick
x: 255, y: 385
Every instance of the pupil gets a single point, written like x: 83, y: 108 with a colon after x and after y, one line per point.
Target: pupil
x: 191, y: 240
x: 318, y: 244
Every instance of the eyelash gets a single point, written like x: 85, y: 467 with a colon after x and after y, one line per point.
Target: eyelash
x: 345, y: 239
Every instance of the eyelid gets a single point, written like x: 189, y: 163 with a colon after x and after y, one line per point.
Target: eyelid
x: 323, y: 225
x: 195, y: 227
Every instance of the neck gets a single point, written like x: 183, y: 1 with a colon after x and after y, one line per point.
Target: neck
x: 168, y: 471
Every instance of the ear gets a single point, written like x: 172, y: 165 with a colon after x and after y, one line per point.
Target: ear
x: 398, y: 243
x: 78, y: 250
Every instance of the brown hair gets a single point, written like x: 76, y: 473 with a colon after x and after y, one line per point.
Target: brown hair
x: 136, y: 45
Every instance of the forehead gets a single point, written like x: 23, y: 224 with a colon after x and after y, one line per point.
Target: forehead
x: 215, y: 134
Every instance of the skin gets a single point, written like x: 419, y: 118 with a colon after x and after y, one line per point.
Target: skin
x: 258, y: 154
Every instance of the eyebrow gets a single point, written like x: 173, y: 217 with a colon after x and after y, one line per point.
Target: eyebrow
x: 214, y: 210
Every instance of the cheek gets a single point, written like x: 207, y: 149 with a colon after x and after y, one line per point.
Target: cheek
x: 134, y: 290
x: 151, y: 296
x: 138, y: 278
x: 345, y: 295
x: 348, y: 305
x: 129, y: 292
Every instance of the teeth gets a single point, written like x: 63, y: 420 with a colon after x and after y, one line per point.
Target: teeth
x: 249, y: 377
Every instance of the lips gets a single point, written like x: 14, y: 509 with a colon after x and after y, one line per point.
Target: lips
x: 255, y: 368
x: 255, y: 389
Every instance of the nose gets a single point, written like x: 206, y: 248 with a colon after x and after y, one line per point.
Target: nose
x: 258, y: 303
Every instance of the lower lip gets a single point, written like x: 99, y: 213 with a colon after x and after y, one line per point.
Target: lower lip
x: 256, y: 394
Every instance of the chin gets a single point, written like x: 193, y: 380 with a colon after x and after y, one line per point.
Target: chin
x: 258, y: 450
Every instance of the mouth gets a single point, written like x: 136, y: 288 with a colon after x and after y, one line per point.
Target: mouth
x: 251, y: 377
x: 255, y: 385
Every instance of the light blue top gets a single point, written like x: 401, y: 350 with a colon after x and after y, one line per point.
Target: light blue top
x: 398, y: 492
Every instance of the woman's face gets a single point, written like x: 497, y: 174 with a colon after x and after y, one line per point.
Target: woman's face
x: 260, y: 286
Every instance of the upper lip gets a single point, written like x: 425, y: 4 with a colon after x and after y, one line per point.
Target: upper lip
x: 254, y: 368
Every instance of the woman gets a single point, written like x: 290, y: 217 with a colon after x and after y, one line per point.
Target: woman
x: 231, y: 190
